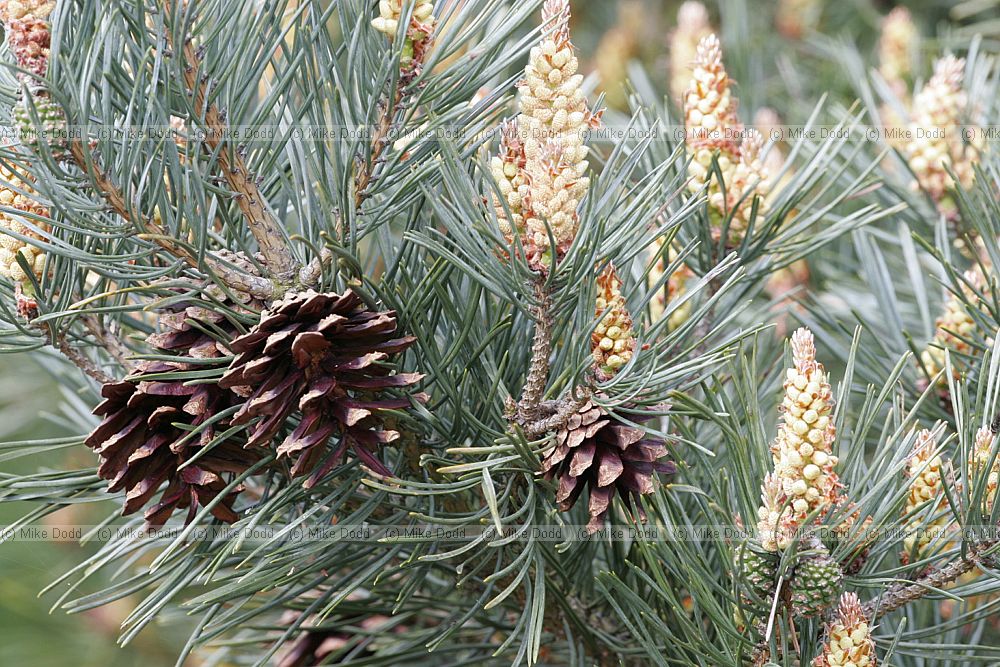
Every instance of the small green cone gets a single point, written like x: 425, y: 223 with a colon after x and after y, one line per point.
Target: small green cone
x: 759, y: 571
x: 51, y: 129
x: 815, y: 584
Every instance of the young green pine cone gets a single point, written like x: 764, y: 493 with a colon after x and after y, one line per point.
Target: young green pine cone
x: 17, y: 194
x: 758, y: 569
x: 848, y: 637
x: 50, y: 128
x: 802, y: 452
x: 979, y: 459
x: 954, y: 328
x: 692, y: 26
x: 613, y: 341
x: 815, y: 583
x: 938, y: 143
x: 926, y: 494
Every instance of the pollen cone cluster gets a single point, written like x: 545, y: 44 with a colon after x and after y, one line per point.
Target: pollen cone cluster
x: 27, y: 29
x: 619, y: 45
x: 16, y: 193
x: 926, y: 494
x: 794, y: 18
x: 848, y: 637
x: 938, y: 142
x: 692, y: 26
x: 161, y: 430
x: 595, y: 450
x: 512, y: 181
x: 980, y: 467
x: 418, y: 33
x: 325, y: 355
x: 552, y: 128
x: 897, y: 47
x: 613, y: 341
x: 675, y: 286
x: 715, y: 131
x: 954, y: 328
x: 804, y: 479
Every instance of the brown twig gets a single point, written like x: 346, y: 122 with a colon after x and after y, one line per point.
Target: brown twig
x: 266, y: 230
x: 107, y: 340
x: 81, y: 360
x: 366, y: 170
x: 529, y: 407
x: 901, y: 593
x: 234, y: 278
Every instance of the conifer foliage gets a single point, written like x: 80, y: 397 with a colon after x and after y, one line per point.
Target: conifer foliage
x: 390, y: 346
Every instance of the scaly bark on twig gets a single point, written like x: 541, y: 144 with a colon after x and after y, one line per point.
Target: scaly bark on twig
x: 265, y: 228
x: 237, y: 280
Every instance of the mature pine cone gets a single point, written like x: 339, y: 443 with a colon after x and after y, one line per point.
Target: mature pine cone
x: 142, y: 440
x: 598, y: 450
x: 321, y: 354
x: 815, y: 584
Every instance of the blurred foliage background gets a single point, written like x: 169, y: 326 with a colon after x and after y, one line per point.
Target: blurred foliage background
x: 778, y: 51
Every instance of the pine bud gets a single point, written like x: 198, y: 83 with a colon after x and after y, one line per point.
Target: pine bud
x: 979, y: 466
x: 848, y: 637
x: 613, y: 341
x: 50, y: 128
x: 954, y: 328
x: 16, y: 193
x: 692, y: 27
x: 938, y: 144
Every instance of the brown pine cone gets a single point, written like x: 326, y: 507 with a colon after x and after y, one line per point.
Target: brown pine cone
x: 143, y: 440
x: 322, y: 354
x: 597, y: 450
